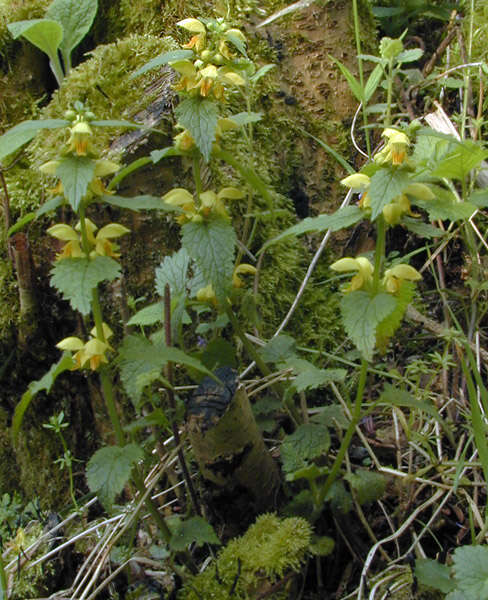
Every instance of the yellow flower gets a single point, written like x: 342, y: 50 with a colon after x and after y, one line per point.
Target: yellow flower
x: 358, y: 182
x: 207, y: 295
x: 395, y: 150
x: 364, y: 277
x: 243, y: 269
x: 103, y: 245
x: 79, y: 141
x: 92, y: 352
x: 394, y: 277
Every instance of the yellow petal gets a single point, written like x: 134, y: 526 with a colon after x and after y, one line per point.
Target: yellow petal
x: 230, y: 193
x: 107, y: 332
x: 70, y: 343
x: 112, y: 230
x: 185, y: 67
x: 50, y: 167
x: 420, y: 191
x: 178, y: 197
x: 105, y: 167
x: 192, y: 25
x: 345, y: 264
x: 63, y: 232
x: 357, y: 182
x: 233, y: 78
x: 403, y: 271
x: 207, y: 294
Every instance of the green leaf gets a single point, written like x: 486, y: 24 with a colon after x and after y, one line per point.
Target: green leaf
x: 237, y: 42
x: 244, y: 118
x: 45, y: 383
x: 21, y: 223
x: 386, y: 184
x: 471, y: 571
x: 155, y: 418
x: 137, y: 203
x: 354, y: 84
x: 278, y: 349
x: 423, y: 230
x: 163, y: 59
x: 109, y: 469
x: 373, y: 82
x: 45, y: 34
x: 141, y: 363
x: 307, y: 442
x: 457, y: 164
x: 339, y: 498
x: 261, y: 73
x: 361, y: 315
x: 50, y: 205
x: 369, y: 486
x: 149, y: 315
x: 310, y: 377
x: 15, y: 138
x: 199, y: 116
x: 341, y: 219
x: 76, y: 174
x: 392, y: 396
x: 387, y: 327
x: 434, y: 574
x: 479, y: 198
x: 193, y: 530
x: 173, y: 270
x: 75, y: 278
x: 157, y: 155
x: 75, y: 17
x: 211, y: 245
x: 331, y: 416
x: 445, y: 206
x: 409, y: 55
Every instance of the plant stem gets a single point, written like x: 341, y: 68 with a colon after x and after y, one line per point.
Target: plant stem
x: 379, y: 255
x: 357, y: 36
x: 389, y: 93
x: 67, y: 453
x: 355, y: 417
x: 172, y: 402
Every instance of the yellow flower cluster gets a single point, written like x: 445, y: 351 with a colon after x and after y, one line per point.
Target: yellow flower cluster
x: 213, y: 69
x: 363, y: 280
x: 99, y: 244
x: 207, y: 293
x: 92, y: 352
x: 395, y: 153
x: 210, y: 205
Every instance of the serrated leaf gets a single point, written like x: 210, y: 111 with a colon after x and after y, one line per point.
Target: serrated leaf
x: 261, y: 73
x: 331, y: 416
x: 45, y: 34
x: 163, y: 59
x: 434, y: 574
x: 244, y: 118
x: 479, y: 198
x: 237, y: 42
x: 149, y: 315
x: 388, y: 326
x: 109, y: 469
x: 369, y: 486
x: 15, y: 138
x: 409, y: 55
x: 341, y: 219
x: 445, y: 207
x: 76, y: 174
x: 386, y: 184
x: 361, y: 314
x: 199, y: 116
x: 211, y: 244
x: 65, y: 363
x: 75, y: 278
x: 423, y: 230
x: 461, y: 160
x: 75, y: 17
x: 307, y: 442
x: 142, y: 360
x: 339, y: 498
x: 137, y: 203
x: 155, y: 418
x: 471, y: 571
x: 173, y: 270
x: 194, y: 530
x: 278, y: 349
x: 310, y: 377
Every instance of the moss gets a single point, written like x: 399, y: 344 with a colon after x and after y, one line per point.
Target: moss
x: 8, y: 477
x: 271, y: 549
